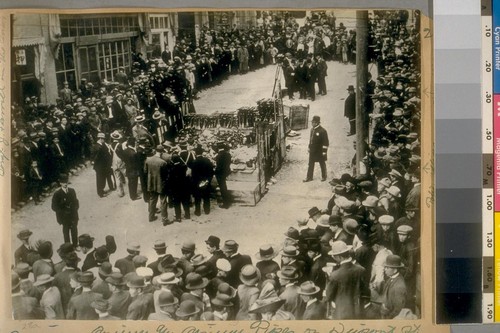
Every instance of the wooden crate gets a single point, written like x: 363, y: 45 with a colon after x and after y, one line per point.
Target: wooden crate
x: 299, y: 117
x: 244, y: 193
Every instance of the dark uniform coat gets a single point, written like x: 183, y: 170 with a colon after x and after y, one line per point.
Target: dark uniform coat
x: 318, y: 144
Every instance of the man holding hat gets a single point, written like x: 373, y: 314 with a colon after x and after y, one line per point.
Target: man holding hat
x: 318, y: 147
x: 157, y: 173
x: 25, y: 253
x: 65, y: 204
x: 51, y: 297
x: 346, y: 286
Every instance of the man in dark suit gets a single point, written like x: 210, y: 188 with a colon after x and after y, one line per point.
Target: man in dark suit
x: 313, y: 308
x: 142, y: 304
x: 237, y: 262
x: 288, y: 276
x: 161, y: 249
x: 62, y: 279
x: 311, y: 76
x: 79, y: 307
x: 120, y: 118
x: 132, y: 167
x: 395, y: 292
x: 350, y: 110
x: 222, y: 170
x: 202, y: 171
x: 213, y: 247
x: 120, y: 298
x: 346, y: 285
x: 66, y: 205
x: 157, y: 173
x: 103, y: 159
x: 322, y: 68
x: 318, y: 147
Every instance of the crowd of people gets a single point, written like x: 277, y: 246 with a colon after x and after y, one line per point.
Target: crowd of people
x: 357, y: 256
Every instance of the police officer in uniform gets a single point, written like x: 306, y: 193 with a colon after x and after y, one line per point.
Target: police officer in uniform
x: 318, y: 147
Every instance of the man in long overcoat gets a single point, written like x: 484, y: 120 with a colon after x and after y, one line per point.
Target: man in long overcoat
x: 318, y: 147
x: 157, y: 171
x: 350, y: 110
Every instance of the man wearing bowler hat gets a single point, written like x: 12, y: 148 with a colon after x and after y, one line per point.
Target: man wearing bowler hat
x: 102, y: 161
x: 167, y: 306
x: 65, y: 204
x: 213, y: 243
x: 142, y: 303
x: 318, y: 148
x: 161, y: 249
x: 120, y: 298
x: 79, y: 307
x: 395, y: 292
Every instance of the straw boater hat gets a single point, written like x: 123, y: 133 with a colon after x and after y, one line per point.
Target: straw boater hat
x: 290, y: 251
x: 386, y: 219
x: 223, y: 264
x: 249, y: 275
x: 157, y: 115
x: 288, y: 273
x: 167, y: 278
x: 159, y: 245
x: 339, y: 247
x: 308, y: 288
x: 266, y: 252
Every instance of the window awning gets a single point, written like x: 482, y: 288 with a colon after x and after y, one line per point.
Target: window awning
x: 30, y: 41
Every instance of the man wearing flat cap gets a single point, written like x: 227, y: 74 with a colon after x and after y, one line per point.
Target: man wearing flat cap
x: 65, y: 204
x: 318, y: 147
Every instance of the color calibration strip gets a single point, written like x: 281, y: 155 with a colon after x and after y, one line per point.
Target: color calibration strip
x: 495, y: 233
x: 488, y: 215
x: 459, y: 161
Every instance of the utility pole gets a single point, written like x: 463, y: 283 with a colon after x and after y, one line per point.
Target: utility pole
x: 361, y: 80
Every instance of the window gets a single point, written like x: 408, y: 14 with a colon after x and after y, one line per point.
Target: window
x: 65, y: 66
x: 113, y: 55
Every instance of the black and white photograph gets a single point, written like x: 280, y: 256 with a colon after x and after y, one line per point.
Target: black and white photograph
x: 216, y: 165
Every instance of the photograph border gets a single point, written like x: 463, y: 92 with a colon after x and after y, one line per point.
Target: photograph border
x: 425, y: 324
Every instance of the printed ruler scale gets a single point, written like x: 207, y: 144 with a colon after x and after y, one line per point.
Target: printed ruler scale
x: 488, y: 210
x: 495, y: 233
